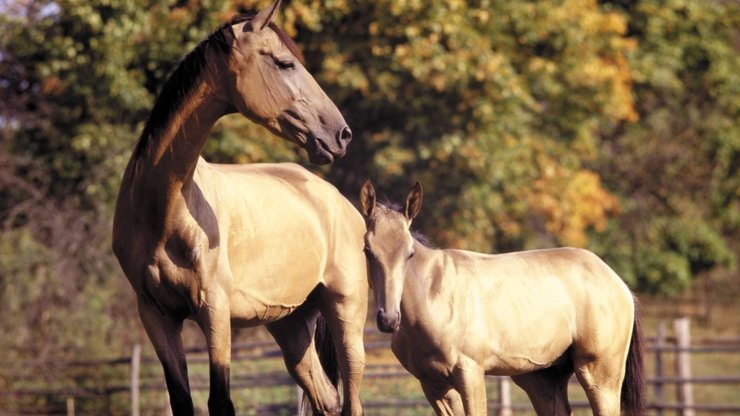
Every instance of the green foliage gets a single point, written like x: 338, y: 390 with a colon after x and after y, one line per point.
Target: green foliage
x: 611, y: 125
x: 677, y: 168
x: 480, y: 102
x: 534, y: 124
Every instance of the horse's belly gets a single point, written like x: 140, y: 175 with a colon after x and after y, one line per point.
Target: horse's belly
x: 253, y: 309
x: 268, y: 290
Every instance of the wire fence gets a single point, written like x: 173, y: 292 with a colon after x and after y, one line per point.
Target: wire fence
x: 135, y: 383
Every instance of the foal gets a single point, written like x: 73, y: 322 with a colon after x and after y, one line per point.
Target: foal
x: 537, y: 316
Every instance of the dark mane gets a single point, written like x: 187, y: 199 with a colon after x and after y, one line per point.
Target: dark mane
x: 179, y: 85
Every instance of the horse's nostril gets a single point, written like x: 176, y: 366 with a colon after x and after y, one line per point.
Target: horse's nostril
x: 345, y: 135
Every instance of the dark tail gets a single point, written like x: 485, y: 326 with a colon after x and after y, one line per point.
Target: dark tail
x: 327, y: 357
x: 326, y: 351
x: 633, y: 387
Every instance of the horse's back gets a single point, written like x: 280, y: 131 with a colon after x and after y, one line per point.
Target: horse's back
x: 286, y: 184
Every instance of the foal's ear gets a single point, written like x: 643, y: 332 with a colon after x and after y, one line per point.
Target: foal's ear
x: 264, y: 17
x: 413, y: 202
x: 367, y: 198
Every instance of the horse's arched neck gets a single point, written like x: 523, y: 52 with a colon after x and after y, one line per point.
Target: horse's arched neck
x: 172, y: 152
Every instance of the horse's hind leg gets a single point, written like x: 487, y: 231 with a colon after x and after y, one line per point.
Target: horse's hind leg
x: 547, y: 390
x: 602, y: 381
x: 445, y: 400
x: 345, y: 312
x: 164, y: 333
x: 295, y: 336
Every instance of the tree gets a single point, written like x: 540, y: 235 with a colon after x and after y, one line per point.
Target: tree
x: 611, y: 125
x: 492, y: 105
x: 677, y: 169
x: 77, y: 79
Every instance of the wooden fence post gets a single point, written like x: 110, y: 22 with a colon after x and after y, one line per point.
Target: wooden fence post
x: 70, y: 406
x: 681, y: 328
x: 504, y: 396
x: 659, y: 372
x: 135, y: 371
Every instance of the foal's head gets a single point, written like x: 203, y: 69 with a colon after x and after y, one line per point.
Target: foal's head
x: 267, y: 82
x: 389, y: 246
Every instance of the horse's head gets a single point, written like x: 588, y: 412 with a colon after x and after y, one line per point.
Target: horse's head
x: 268, y: 83
x: 389, y: 247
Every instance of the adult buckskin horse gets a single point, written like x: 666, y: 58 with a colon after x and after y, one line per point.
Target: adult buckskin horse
x: 537, y: 316
x: 243, y: 245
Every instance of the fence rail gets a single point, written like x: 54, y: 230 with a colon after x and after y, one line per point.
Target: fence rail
x: 669, y: 359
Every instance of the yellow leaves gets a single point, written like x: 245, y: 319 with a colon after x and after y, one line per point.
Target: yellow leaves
x: 338, y: 69
x: 571, y: 202
x: 481, y: 15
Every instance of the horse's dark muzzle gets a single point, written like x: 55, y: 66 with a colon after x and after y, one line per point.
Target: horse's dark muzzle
x: 322, y: 151
x: 388, y: 322
x: 344, y: 136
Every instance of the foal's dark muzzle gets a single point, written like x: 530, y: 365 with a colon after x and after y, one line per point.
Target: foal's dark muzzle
x: 388, y: 322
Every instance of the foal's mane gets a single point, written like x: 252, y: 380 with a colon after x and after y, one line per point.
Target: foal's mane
x: 179, y: 85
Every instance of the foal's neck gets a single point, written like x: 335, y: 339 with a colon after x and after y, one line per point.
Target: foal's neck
x: 421, y: 279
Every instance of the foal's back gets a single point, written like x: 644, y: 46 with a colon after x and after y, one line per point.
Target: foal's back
x: 519, y: 312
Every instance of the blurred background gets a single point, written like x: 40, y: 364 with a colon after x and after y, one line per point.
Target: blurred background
x: 610, y: 125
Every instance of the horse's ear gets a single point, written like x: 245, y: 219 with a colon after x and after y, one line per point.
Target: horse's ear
x: 367, y: 198
x: 413, y: 202
x: 264, y: 17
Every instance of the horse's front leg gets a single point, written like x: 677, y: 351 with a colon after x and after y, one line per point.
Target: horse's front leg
x: 214, y: 319
x: 164, y: 333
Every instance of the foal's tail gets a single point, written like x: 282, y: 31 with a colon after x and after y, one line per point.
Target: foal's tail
x: 327, y: 357
x: 633, y: 387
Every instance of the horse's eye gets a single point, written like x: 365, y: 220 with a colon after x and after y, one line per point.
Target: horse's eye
x: 412, y: 254
x: 285, y: 65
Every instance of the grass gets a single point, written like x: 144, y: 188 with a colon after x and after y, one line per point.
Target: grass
x: 724, y: 321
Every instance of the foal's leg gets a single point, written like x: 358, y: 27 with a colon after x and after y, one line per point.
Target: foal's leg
x: 164, y: 332
x: 214, y: 320
x: 345, y: 313
x: 295, y: 336
x: 547, y: 390
x: 445, y: 400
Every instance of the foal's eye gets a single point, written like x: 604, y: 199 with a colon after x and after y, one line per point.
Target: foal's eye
x: 411, y: 255
x: 285, y: 65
